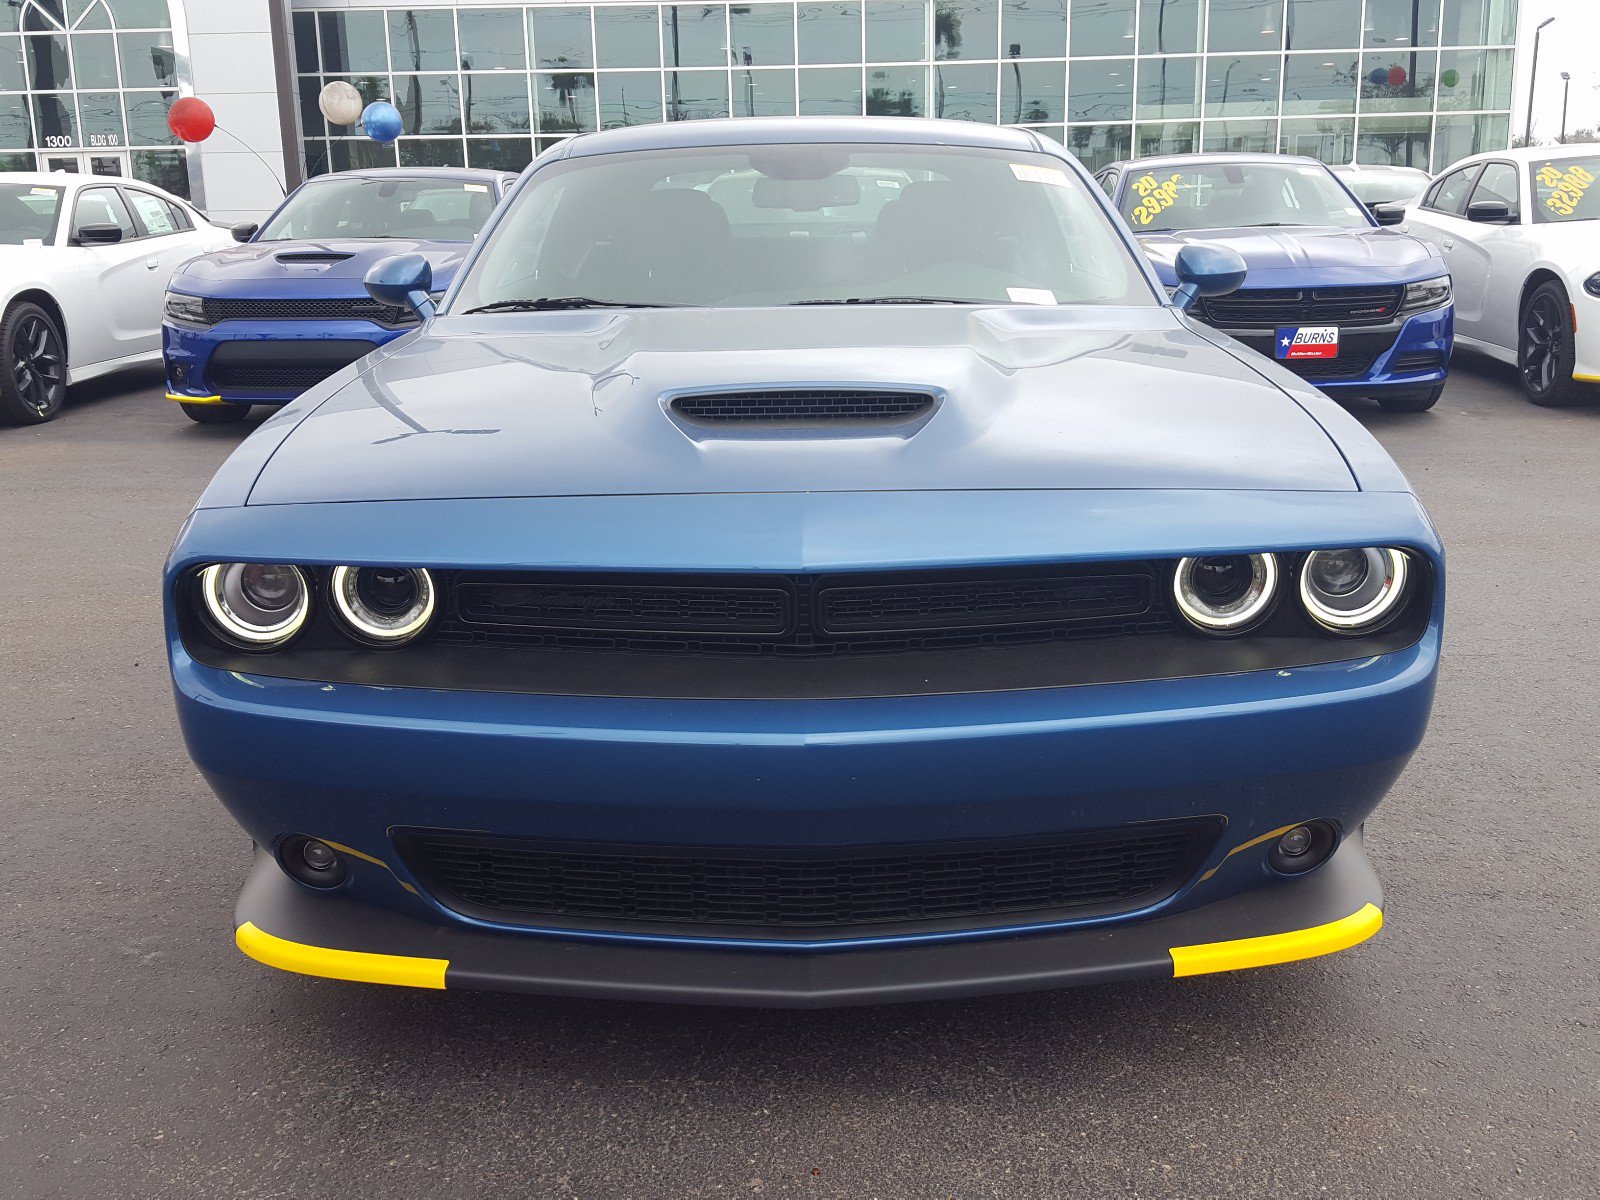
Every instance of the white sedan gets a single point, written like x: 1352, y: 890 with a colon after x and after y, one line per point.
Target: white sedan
x: 84, y: 264
x: 1520, y: 231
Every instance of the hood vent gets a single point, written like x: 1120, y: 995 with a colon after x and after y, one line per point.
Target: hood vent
x: 804, y: 407
x: 313, y: 256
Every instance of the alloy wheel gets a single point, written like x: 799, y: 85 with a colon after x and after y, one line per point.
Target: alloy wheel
x: 1544, y: 334
x: 38, y: 364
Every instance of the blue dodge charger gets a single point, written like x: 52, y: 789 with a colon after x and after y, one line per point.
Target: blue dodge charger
x: 805, y: 562
x: 1350, y: 306
x: 261, y: 323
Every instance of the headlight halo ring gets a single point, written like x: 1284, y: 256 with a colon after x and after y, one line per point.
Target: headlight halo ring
x: 1386, y: 602
x: 228, y: 618
x: 1260, y: 596
x: 365, y: 624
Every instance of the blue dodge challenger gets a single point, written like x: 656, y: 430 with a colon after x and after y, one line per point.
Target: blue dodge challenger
x: 1350, y: 306
x: 262, y: 322
x: 805, y: 562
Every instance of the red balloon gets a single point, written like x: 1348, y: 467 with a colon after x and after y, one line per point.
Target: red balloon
x: 1397, y: 76
x: 192, y: 119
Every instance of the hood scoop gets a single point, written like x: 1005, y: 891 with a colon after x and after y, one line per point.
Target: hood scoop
x: 826, y: 411
x: 313, y: 256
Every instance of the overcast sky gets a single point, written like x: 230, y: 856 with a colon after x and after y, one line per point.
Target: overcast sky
x: 1572, y: 44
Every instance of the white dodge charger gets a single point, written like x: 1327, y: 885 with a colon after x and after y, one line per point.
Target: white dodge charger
x: 84, y: 264
x: 1520, y: 230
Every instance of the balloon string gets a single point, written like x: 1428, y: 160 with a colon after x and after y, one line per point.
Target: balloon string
x: 258, y: 158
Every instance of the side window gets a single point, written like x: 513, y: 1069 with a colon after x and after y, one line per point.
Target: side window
x: 1499, y: 182
x: 153, y: 212
x: 180, y: 216
x: 1108, y: 182
x: 1449, y: 195
x: 103, y: 206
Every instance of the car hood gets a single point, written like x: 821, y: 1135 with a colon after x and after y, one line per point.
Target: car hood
x: 1306, y: 256
x: 289, y: 270
x: 577, y: 404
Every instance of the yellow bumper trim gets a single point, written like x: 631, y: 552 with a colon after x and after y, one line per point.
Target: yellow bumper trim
x: 195, y: 399
x: 1278, y: 947
x: 354, y: 965
x: 1586, y: 378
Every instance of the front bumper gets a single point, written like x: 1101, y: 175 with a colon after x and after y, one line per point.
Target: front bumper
x: 1412, y: 355
x: 272, y: 362
x: 285, y: 926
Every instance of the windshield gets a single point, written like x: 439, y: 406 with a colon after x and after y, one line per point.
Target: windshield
x: 429, y: 210
x: 1564, y: 191
x: 751, y: 226
x: 1238, y: 195
x: 28, y: 214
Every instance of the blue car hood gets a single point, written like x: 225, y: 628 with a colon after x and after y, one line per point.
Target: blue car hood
x: 295, y: 270
x: 1307, y: 256
x: 577, y: 404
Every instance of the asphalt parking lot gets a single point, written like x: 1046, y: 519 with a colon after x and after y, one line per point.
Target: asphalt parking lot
x: 140, y: 1055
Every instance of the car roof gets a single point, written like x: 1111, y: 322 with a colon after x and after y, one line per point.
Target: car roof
x: 1220, y: 156
x: 1375, y: 169
x: 1527, y: 154
x: 466, y: 174
x: 71, y: 179
x: 760, y: 131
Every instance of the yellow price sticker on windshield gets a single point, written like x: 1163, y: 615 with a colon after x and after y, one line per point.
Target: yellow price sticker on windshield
x: 1155, y: 197
x: 1567, y: 188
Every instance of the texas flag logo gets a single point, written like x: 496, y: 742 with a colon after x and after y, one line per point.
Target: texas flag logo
x: 1308, y: 341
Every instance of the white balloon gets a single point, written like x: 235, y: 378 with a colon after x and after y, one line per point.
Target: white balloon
x: 341, y: 103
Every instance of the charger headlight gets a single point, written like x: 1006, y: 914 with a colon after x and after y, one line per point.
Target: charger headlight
x: 1225, y: 593
x: 383, y: 606
x: 186, y: 309
x: 255, y: 606
x: 1354, y: 590
x: 1430, y: 293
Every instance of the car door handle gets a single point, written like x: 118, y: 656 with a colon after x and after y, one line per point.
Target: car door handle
x: 152, y: 264
x: 1449, y: 243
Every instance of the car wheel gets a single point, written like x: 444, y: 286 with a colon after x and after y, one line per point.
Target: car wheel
x: 1545, y: 352
x: 216, y: 414
x: 33, y: 366
x: 1412, y: 401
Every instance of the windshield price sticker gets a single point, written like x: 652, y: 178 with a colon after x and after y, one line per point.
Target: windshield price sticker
x: 1030, y: 174
x: 1568, y: 188
x: 1308, y: 341
x: 1156, y: 197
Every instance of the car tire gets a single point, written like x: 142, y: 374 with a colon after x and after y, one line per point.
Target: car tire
x: 33, y: 366
x: 216, y: 414
x: 1412, y: 402
x: 1546, y: 354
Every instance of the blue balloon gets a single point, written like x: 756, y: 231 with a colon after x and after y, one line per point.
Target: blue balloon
x: 1379, y: 76
x: 381, y: 122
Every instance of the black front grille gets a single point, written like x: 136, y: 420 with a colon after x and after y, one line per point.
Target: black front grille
x: 805, y: 615
x: 219, y: 310
x: 1357, y: 354
x: 1258, y: 308
x: 868, y: 406
x: 792, y: 892
x: 281, y: 366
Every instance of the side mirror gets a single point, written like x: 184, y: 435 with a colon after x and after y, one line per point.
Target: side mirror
x: 245, y: 230
x: 98, y: 235
x: 1489, y: 212
x: 1206, y: 271
x: 1388, y: 213
x: 403, y: 282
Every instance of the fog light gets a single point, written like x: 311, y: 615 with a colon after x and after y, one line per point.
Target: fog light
x: 1303, y: 848
x: 312, y: 862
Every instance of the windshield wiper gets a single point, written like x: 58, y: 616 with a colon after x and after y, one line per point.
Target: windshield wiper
x: 896, y: 300
x: 550, y: 303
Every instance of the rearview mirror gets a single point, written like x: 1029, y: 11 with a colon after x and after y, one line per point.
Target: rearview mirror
x: 244, y: 231
x: 98, y: 235
x: 806, y: 195
x: 1489, y: 212
x: 1388, y: 213
x: 403, y: 282
x: 1206, y: 271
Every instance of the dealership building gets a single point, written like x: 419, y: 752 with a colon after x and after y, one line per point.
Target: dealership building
x: 85, y: 84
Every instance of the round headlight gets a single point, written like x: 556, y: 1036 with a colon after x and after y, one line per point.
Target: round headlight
x: 1225, y: 593
x: 1354, y: 590
x: 258, y: 606
x: 386, y: 606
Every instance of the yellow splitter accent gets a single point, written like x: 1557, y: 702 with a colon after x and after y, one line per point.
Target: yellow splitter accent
x: 354, y: 965
x: 195, y: 399
x: 1278, y: 947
